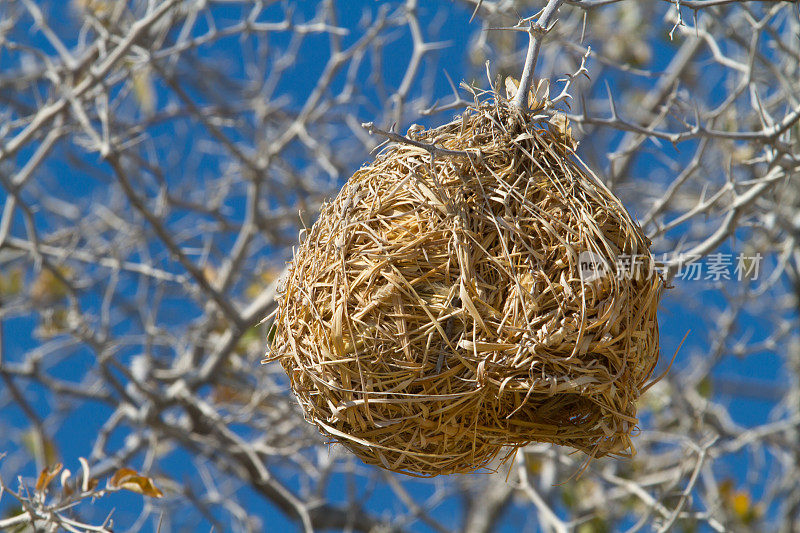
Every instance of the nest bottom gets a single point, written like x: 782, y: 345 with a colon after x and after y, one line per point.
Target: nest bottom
x: 448, y: 423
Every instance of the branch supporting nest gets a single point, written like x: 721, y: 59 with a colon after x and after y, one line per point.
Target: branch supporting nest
x: 536, y: 32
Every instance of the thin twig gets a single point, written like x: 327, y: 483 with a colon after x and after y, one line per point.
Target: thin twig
x: 396, y: 137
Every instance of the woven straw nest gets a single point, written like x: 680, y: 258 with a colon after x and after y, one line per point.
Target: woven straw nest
x: 436, y: 316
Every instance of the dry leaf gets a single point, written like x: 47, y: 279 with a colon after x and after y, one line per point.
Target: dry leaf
x: 512, y: 84
x: 46, y: 476
x: 541, y: 96
x: 48, y: 286
x: 130, y: 479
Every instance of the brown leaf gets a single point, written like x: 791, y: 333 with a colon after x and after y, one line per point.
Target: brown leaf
x: 46, y: 476
x: 512, y: 85
x: 130, y: 479
x: 48, y: 286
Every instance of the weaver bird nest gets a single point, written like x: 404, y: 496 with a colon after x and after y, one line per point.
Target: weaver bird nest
x: 442, y: 310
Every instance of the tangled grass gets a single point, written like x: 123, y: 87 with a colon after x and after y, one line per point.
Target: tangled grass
x: 437, y: 314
